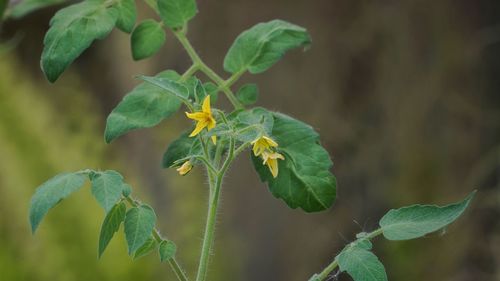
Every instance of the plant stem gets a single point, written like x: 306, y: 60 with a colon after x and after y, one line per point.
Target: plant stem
x: 334, y: 264
x: 176, y: 268
x: 208, y: 237
x: 191, y: 70
x: 221, y: 83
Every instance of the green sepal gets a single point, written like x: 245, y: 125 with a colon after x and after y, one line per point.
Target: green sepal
x: 261, y: 46
x: 144, y: 107
x: 418, y: 220
x: 110, y: 225
x: 147, y: 39
x: 304, y: 179
x: 72, y: 30
x: 53, y: 191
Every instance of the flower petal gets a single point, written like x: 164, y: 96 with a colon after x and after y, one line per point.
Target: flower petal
x: 270, y: 141
x: 198, y: 116
x: 199, y: 126
x: 206, y: 105
x: 211, y: 123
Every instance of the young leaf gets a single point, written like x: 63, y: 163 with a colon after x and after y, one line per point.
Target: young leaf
x: 144, y: 107
x: 419, y: 220
x: 147, y: 38
x: 176, y: 13
x: 127, y: 15
x: 248, y: 94
x: 304, y: 179
x: 146, y: 248
x: 52, y: 192
x: 361, y: 264
x: 167, y: 250
x: 126, y: 189
x: 72, y: 30
x: 139, y: 224
x: 183, y: 147
x: 111, y: 225
x: 261, y: 46
x: 27, y: 6
x: 107, y: 188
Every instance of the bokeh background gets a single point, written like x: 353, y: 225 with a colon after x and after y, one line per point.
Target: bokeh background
x: 405, y: 95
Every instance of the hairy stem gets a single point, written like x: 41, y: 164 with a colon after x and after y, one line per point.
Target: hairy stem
x: 176, y: 268
x: 213, y: 205
x: 335, y: 263
x: 223, y: 85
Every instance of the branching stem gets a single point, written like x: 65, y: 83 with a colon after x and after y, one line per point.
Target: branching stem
x: 335, y: 263
x: 224, y: 85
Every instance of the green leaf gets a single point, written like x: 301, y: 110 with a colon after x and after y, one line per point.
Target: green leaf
x: 139, y: 224
x: 167, y: 250
x: 212, y: 90
x: 72, y: 30
x: 146, y: 248
x: 419, y: 220
x: 107, y: 188
x: 181, y: 148
x: 361, y: 264
x: 111, y: 225
x: 176, y: 13
x: 52, y: 192
x: 304, y: 179
x: 252, y: 124
x: 147, y: 39
x: 27, y: 6
x: 127, y: 15
x: 261, y: 46
x: 248, y: 94
x: 169, y: 85
x: 144, y: 107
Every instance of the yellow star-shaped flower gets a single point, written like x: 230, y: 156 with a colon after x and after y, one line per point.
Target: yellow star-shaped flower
x: 262, y: 144
x: 185, y: 168
x: 204, y: 118
x: 271, y: 160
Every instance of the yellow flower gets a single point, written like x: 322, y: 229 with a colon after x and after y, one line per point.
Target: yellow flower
x: 185, y: 168
x: 262, y: 144
x: 203, y: 117
x: 271, y: 160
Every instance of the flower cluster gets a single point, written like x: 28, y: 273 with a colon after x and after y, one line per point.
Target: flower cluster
x: 265, y: 147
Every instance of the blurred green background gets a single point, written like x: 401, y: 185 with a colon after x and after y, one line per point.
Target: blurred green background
x: 405, y: 95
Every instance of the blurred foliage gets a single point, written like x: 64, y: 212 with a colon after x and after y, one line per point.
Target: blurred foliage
x: 38, y: 138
